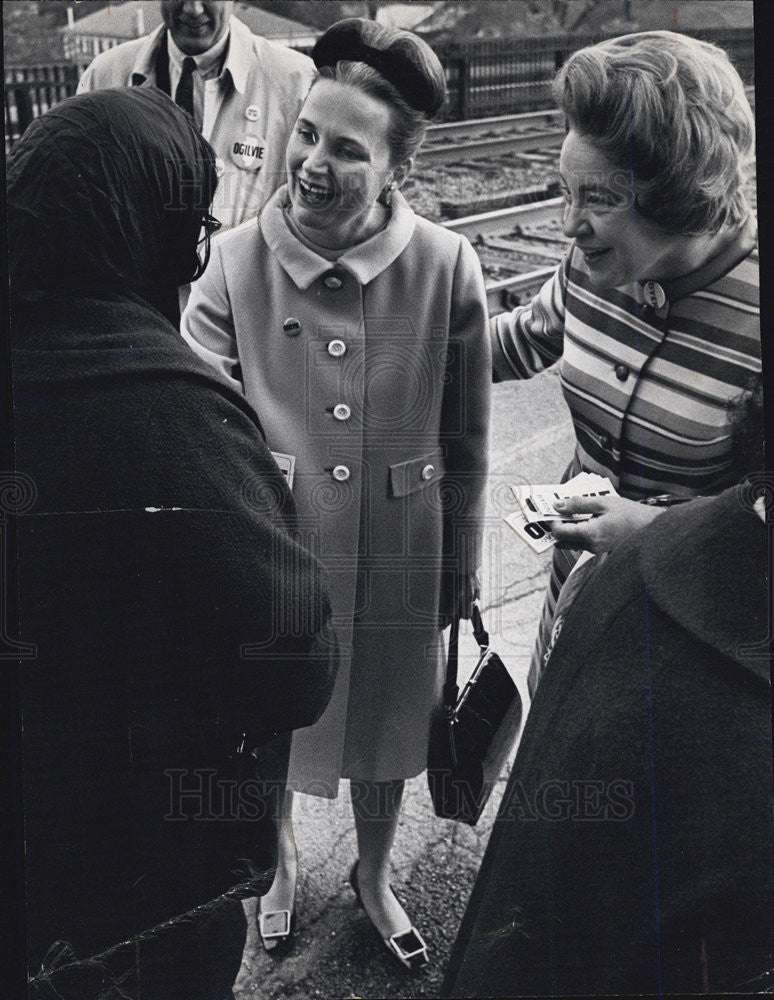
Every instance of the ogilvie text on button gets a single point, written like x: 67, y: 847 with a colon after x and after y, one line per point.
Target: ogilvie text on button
x: 332, y: 281
x: 341, y: 472
x: 292, y: 326
x: 336, y: 348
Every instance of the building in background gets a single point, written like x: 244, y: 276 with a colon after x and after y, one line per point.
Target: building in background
x: 87, y: 36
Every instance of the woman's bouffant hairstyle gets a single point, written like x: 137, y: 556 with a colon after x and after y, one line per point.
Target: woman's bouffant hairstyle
x: 391, y: 65
x: 673, y: 110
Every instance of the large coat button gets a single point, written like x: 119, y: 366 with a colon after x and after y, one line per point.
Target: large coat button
x: 428, y: 472
x: 622, y: 372
x: 336, y: 348
x: 341, y: 411
x: 332, y: 282
x: 292, y: 326
x: 341, y: 472
x: 605, y: 442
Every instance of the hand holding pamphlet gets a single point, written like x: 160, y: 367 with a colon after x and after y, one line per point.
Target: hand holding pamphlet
x: 537, y: 506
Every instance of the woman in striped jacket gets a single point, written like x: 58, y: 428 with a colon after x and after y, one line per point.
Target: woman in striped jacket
x: 654, y: 309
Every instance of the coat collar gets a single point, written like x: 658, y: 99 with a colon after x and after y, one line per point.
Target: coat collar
x: 238, y: 58
x: 740, y: 247
x: 365, y: 261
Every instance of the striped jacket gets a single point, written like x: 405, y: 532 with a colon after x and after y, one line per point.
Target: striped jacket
x: 647, y: 386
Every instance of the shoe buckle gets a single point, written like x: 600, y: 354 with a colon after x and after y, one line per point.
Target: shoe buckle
x: 406, y: 956
x: 268, y: 935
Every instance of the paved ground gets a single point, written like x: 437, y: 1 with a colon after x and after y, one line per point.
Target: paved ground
x: 336, y: 953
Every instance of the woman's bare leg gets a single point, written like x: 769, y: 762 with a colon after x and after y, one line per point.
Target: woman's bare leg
x: 281, y: 896
x: 376, y: 806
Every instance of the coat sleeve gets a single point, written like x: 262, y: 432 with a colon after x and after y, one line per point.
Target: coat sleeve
x: 257, y: 601
x: 207, y: 323
x: 531, y: 337
x: 100, y: 74
x: 465, y: 422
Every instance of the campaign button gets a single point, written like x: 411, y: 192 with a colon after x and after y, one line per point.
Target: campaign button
x: 292, y: 326
x: 249, y: 153
x: 655, y: 295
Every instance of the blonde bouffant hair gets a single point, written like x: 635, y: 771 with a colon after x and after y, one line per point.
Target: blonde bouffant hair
x: 673, y: 111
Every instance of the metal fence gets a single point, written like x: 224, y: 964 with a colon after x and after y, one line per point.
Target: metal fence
x: 484, y: 77
x: 504, y: 76
x: 31, y: 90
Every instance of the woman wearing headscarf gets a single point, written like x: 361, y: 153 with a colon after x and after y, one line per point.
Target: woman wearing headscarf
x: 654, y: 310
x: 159, y: 585
x: 358, y: 331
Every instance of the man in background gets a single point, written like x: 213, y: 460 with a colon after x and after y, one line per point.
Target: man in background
x: 243, y: 91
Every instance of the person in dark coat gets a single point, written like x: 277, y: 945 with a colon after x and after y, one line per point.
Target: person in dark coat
x: 633, y: 851
x: 168, y: 615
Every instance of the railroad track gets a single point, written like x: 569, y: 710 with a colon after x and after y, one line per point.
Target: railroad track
x: 522, y: 232
x: 505, y: 220
x: 506, y: 293
x: 475, y: 139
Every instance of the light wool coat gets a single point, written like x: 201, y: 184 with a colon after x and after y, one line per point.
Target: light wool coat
x: 373, y: 373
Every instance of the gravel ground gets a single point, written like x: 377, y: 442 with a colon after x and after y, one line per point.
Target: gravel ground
x: 428, y: 186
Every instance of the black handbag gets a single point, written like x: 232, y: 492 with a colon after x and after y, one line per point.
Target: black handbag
x: 471, y: 739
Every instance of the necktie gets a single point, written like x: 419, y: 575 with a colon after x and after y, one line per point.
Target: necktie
x: 184, y: 92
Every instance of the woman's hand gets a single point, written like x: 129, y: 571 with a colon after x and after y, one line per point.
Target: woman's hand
x: 615, y: 519
x: 467, y: 589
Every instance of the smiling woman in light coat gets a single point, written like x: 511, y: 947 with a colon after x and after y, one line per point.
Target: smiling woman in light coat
x: 359, y: 333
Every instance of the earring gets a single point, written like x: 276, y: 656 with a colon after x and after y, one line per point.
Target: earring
x: 385, y: 195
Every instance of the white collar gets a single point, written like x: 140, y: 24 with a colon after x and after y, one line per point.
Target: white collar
x: 365, y: 261
x: 206, y: 62
x: 239, y: 58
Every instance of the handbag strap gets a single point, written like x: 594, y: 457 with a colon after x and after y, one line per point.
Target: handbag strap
x: 480, y: 633
x: 450, y: 690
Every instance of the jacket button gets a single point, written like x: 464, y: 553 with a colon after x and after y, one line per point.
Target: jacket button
x: 292, y: 326
x: 622, y: 372
x: 341, y: 472
x: 332, y: 281
x: 341, y: 411
x: 428, y: 472
x: 336, y: 348
x: 605, y: 442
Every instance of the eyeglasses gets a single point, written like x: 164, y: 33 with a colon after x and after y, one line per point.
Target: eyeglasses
x: 210, y: 225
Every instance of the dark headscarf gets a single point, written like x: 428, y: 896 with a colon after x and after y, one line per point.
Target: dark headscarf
x: 105, y: 197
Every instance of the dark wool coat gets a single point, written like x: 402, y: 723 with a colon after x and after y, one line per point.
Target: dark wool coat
x: 161, y: 592
x: 163, y: 605
x: 633, y: 851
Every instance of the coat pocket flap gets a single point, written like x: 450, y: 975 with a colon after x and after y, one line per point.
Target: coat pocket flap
x: 408, y: 477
